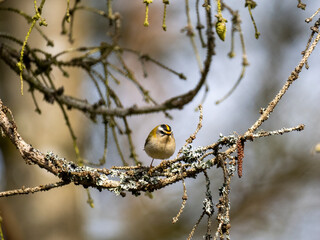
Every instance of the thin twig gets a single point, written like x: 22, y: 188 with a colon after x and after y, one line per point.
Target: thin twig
x: 236, y: 26
x: 193, y: 136
x: 294, y: 76
x: 146, y: 57
x: 68, y: 123
x: 313, y: 15
x: 190, y: 34
x: 234, y: 87
x: 199, y: 25
x: 208, y: 205
x: 224, y: 203
x: 195, y: 226
x: 183, y: 204
x: 27, y: 190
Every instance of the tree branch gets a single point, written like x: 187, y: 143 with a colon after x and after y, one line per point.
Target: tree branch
x: 27, y: 190
x: 123, y: 179
x: 9, y: 56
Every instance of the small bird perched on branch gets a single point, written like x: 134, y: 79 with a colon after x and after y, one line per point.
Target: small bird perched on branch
x: 160, y: 143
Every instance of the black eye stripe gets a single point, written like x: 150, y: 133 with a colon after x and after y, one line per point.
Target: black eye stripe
x: 166, y: 127
x: 165, y: 133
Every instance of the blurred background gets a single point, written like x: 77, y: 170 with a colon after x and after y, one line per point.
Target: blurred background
x: 278, y: 196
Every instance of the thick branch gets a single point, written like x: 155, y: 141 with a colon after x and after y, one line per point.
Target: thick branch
x: 132, y: 179
x: 65, y: 170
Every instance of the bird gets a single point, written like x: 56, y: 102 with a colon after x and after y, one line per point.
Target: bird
x: 160, y: 143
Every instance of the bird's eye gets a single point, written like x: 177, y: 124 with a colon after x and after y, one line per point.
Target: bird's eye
x: 162, y: 133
